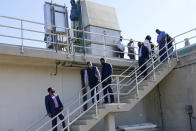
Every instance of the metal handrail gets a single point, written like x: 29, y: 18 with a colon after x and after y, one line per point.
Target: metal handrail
x: 97, y: 101
x: 23, y: 29
x: 80, y: 106
x: 22, y: 38
x: 35, y: 123
x: 39, y: 23
x: 152, y: 57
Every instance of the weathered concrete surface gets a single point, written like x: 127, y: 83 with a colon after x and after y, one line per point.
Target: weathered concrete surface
x: 99, y: 15
x: 49, y: 57
x: 176, y: 90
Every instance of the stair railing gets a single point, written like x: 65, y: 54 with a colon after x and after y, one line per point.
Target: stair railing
x: 154, y: 62
x: 67, y: 109
x: 95, y: 104
x: 101, y: 91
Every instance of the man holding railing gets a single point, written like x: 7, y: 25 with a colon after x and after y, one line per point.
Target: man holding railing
x: 106, y: 72
x: 143, y: 57
x: 93, y: 76
x: 53, y: 107
x: 161, y: 40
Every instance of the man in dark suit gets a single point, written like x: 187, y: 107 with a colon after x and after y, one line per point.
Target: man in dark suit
x: 143, y: 57
x: 53, y: 107
x: 106, y: 72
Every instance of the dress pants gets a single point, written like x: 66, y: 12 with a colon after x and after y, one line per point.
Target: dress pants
x: 61, y: 117
x: 106, y: 91
x: 92, y: 85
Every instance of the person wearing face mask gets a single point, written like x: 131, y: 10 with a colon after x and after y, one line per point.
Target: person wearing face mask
x: 92, y: 78
x: 53, y: 107
x: 106, y: 72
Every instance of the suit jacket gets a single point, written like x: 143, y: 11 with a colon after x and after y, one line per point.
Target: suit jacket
x: 50, y: 106
x: 145, y: 54
x: 106, y: 72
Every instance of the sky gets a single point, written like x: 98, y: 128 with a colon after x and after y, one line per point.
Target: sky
x: 137, y: 18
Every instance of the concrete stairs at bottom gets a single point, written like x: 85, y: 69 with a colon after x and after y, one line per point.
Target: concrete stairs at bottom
x: 89, y: 120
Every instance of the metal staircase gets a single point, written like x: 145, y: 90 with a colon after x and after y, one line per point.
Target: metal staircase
x: 127, y: 102
x: 128, y: 90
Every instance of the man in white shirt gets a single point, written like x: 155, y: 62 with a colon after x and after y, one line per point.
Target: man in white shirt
x: 92, y: 78
x: 147, y: 43
x: 121, y: 48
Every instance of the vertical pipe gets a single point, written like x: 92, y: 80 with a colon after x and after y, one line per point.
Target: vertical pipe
x: 22, y: 44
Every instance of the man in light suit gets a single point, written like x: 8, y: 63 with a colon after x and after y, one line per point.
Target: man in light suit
x: 53, y: 107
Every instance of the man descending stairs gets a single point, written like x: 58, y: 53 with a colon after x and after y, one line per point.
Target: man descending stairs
x: 127, y: 101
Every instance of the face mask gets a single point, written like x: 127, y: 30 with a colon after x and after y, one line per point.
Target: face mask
x: 53, y: 91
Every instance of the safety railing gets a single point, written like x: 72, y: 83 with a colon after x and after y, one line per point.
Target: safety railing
x: 117, y: 85
x: 136, y: 78
x: 31, y: 31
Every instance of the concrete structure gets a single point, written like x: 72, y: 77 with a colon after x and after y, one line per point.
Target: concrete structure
x: 25, y: 78
x: 100, y: 19
x: 165, y: 104
x: 98, y: 15
x: 127, y: 102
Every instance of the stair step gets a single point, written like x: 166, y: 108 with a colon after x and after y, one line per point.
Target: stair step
x: 77, y: 127
x: 88, y: 116
x: 80, y: 122
x: 128, y: 97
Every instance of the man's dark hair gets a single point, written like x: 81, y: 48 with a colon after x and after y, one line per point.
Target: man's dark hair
x: 89, y: 62
x: 148, y: 37
x: 49, y: 89
x: 102, y: 59
x: 157, y: 30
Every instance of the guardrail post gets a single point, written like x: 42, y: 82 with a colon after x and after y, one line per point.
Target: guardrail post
x: 104, y: 44
x: 68, y: 120
x: 95, y: 97
x: 137, y: 91
x: 154, y: 75
x: 22, y: 44
x: 118, y: 90
x: 176, y: 50
x: 68, y: 43
x: 167, y: 51
x: 84, y: 43
x: 79, y: 102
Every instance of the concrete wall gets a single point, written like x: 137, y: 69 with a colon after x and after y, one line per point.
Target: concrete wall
x: 147, y: 110
x: 176, y: 90
x: 99, y: 15
x: 98, y: 50
x: 23, y: 89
